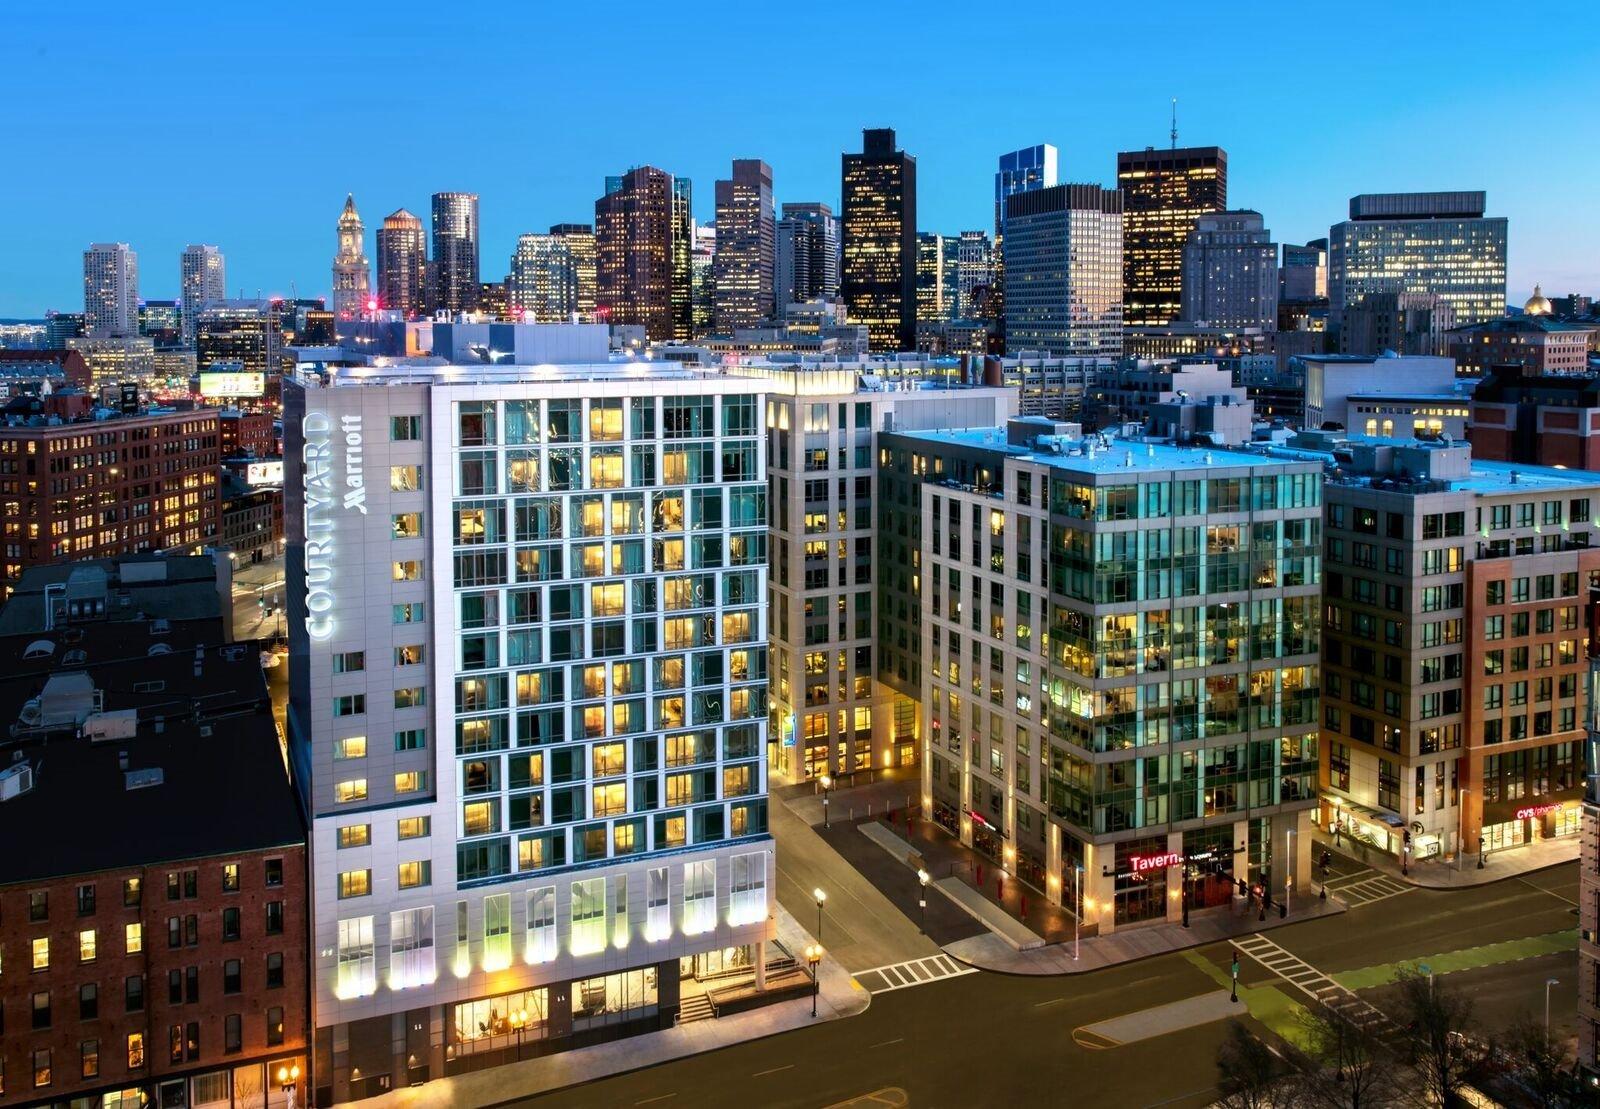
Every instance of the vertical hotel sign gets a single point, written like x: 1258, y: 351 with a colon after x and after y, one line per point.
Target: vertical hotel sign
x: 323, y: 487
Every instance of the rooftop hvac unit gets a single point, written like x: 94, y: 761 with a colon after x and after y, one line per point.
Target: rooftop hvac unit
x: 15, y: 780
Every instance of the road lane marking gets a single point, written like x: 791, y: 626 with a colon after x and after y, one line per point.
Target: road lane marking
x: 774, y: 1070
x: 886, y: 1043
x: 658, y: 1097
x: 891, y: 1097
x: 1552, y: 893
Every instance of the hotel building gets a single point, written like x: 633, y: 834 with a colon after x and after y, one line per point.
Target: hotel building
x: 1115, y: 642
x: 1453, y: 647
x: 527, y: 705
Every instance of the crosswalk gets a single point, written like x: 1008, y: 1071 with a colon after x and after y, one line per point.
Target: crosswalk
x: 1366, y: 886
x: 1311, y: 981
x: 913, y: 972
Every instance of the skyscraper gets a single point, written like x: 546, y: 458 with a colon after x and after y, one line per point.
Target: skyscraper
x: 933, y: 258
x: 879, y: 225
x: 579, y: 238
x: 1230, y: 271
x: 403, y: 264
x: 1064, y: 251
x: 1021, y: 171
x: 1303, y: 274
x: 643, y: 237
x: 352, y: 283
x: 974, y: 276
x: 542, y: 286
x: 1163, y: 193
x: 455, y: 250
x: 1439, y: 243
x: 807, y: 255
x: 703, y: 278
x: 202, y: 277
x: 110, y: 290
x: 745, y: 243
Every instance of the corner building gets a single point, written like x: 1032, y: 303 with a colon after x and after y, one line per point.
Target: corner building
x: 529, y: 698
x: 1118, y: 659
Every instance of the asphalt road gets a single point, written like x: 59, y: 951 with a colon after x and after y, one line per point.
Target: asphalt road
x: 985, y: 1039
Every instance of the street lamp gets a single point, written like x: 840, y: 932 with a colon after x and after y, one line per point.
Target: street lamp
x: 1077, y: 895
x: 827, y: 786
x: 519, y: 1021
x: 1461, y: 836
x: 1234, y: 973
x: 821, y: 895
x: 288, y: 1078
x: 813, y: 958
x: 1548, y: 982
x: 923, y: 878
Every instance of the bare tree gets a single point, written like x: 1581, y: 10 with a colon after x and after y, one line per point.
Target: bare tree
x: 1250, y: 1074
x: 1439, y: 1018
x: 1347, y: 1066
x: 1540, y: 1063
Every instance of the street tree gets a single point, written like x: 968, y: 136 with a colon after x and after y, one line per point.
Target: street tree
x: 1250, y: 1074
x: 1346, y: 1065
x: 1439, y: 1018
x: 1540, y: 1063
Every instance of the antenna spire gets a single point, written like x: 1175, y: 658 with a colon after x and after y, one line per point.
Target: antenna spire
x: 1174, y: 123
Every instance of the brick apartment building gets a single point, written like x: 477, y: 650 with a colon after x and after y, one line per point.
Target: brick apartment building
x: 77, y: 482
x: 1518, y: 415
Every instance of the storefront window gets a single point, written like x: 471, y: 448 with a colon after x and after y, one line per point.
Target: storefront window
x: 1141, y: 894
x: 613, y: 998
x: 490, y: 1023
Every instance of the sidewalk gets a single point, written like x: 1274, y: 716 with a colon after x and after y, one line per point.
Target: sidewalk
x: 840, y: 997
x: 1437, y: 874
x: 994, y: 952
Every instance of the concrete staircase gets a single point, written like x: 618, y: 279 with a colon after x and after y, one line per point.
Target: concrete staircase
x: 696, y: 1007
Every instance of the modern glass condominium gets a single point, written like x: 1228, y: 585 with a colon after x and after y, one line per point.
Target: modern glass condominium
x: 528, y: 704
x: 1117, y: 655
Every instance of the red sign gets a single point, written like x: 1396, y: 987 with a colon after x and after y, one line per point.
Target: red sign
x: 1142, y: 863
x: 1533, y: 811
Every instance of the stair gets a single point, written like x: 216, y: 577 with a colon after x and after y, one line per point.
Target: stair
x: 697, y: 1007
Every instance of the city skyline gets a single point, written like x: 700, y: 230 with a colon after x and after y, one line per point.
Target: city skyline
x: 1291, y: 158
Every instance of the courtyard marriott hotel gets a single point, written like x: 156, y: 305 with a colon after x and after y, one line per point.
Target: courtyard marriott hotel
x: 1117, y: 653
x: 528, y: 705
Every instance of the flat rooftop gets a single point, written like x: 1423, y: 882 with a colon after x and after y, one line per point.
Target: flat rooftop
x: 1486, y: 476
x: 1124, y: 456
x: 621, y: 371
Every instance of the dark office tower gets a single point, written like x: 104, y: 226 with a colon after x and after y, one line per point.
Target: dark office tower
x: 579, y: 238
x: 1163, y: 193
x: 807, y: 256
x: 455, y: 250
x: 402, y: 264
x: 642, y: 238
x: 879, y: 278
x: 742, y: 264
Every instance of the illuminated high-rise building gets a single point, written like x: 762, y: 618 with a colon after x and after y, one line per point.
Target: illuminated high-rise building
x: 542, y: 286
x: 1021, y: 171
x: 973, y: 276
x: 579, y: 238
x: 352, y: 283
x: 643, y: 233
x: 703, y: 278
x: 1439, y: 243
x: 455, y: 251
x: 807, y: 255
x: 403, y: 264
x: 110, y: 290
x: 1230, y: 271
x: 743, y: 263
x: 202, y: 277
x: 1064, y: 252
x: 1163, y: 193
x: 932, y: 263
x: 879, y: 228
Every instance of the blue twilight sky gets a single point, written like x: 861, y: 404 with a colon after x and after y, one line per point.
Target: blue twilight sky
x: 172, y: 122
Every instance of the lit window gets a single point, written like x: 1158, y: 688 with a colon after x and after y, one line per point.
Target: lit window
x: 354, y: 883
x: 350, y: 747
x: 354, y: 789
x: 87, y: 943
x: 355, y: 835
x: 411, y: 781
x: 414, y: 874
x: 133, y: 938
x: 41, y: 953
x: 413, y: 827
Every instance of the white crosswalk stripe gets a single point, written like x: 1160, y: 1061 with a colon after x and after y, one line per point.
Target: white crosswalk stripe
x: 913, y: 972
x: 1309, y: 980
x: 1366, y: 886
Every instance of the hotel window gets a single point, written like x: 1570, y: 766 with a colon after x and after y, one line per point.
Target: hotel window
x: 609, y: 759
x: 410, y: 655
x: 405, y: 479
x: 415, y: 874
x: 405, y: 428
x: 497, y: 932
x: 408, y: 570
x: 411, y: 781
x: 410, y: 697
x: 699, y: 897
x: 413, y: 613
x: 353, y: 789
x: 355, y: 835
x: 540, y: 944
x: 349, y: 662
x: 352, y: 704
x: 406, y: 525
x: 588, y: 916
x: 354, y: 883
x: 350, y: 747
x: 357, y: 971
x: 610, y: 800
x: 413, y: 827
x: 411, y: 948
x: 480, y: 818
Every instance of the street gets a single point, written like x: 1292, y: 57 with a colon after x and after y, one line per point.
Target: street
x: 986, y: 1039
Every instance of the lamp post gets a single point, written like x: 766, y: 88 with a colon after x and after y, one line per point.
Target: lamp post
x: 1234, y: 974
x: 1288, y: 868
x: 1461, y: 836
x: 821, y: 895
x: 288, y: 1081
x: 923, y: 878
x: 519, y: 1021
x: 1548, y: 982
x: 813, y: 959
x: 827, y: 786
